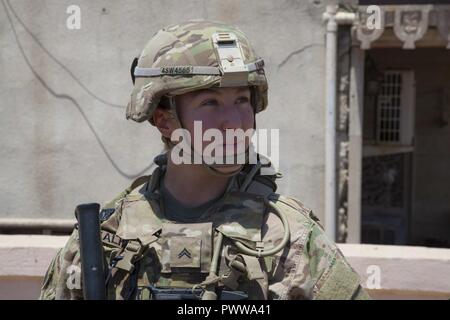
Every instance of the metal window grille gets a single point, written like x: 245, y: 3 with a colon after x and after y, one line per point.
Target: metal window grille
x: 395, y: 111
x: 389, y: 108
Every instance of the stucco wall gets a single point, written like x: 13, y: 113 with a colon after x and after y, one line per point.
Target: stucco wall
x: 63, y: 131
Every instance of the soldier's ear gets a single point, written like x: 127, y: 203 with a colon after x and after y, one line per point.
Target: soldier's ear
x: 133, y: 66
x: 164, y: 121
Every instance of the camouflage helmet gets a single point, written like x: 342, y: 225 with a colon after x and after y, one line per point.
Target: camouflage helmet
x: 194, y: 55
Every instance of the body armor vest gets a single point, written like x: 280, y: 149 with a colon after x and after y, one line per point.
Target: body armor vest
x: 150, y: 257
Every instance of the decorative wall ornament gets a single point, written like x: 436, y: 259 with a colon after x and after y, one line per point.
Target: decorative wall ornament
x: 411, y: 24
x: 365, y: 32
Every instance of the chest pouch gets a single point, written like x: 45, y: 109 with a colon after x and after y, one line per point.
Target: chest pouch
x: 186, y: 247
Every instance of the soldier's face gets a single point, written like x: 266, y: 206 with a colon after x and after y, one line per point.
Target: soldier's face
x: 217, y: 108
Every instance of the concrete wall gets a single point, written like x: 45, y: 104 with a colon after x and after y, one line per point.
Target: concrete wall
x: 430, y: 219
x: 63, y: 131
x: 388, y: 272
x: 24, y: 261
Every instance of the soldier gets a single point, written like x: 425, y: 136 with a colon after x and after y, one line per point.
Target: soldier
x: 206, y: 230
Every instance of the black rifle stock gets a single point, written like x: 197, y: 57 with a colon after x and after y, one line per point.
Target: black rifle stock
x: 91, y: 251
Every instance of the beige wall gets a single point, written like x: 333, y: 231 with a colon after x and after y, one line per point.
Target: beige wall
x: 404, y: 272
x: 19, y: 288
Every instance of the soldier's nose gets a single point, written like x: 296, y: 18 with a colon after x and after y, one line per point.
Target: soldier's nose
x: 231, y: 119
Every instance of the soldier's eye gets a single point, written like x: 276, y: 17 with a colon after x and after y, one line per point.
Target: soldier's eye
x: 209, y: 102
x: 242, y: 99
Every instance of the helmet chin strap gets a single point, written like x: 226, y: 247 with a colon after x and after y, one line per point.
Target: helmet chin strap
x: 219, y: 173
x: 211, y: 168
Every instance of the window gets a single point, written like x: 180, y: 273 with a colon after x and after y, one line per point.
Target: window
x: 395, y: 109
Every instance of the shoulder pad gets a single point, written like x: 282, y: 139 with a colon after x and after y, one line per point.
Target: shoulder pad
x: 297, y: 205
x: 112, y: 204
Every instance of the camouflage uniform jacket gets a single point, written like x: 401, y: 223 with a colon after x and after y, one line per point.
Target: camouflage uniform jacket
x: 310, y: 266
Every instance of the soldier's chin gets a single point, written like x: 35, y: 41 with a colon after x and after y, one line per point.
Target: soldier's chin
x: 227, y: 168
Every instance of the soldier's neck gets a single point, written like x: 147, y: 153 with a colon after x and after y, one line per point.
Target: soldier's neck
x: 192, y: 184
